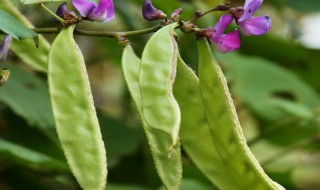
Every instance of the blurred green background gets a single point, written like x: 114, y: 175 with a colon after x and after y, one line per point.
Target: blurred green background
x: 274, y: 79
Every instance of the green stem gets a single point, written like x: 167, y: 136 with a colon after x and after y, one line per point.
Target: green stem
x: 52, y: 13
x: 111, y: 34
x: 223, y: 7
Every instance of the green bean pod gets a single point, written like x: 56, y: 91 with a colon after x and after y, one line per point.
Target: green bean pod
x: 194, y: 131
x: 168, y: 167
x: 157, y: 74
x: 225, y: 127
x: 74, y: 112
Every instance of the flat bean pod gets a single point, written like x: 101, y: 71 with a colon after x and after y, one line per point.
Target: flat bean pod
x: 157, y: 73
x: 74, y: 112
x: 225, y: 127
x: 168, y: 168
x: 198, y: 144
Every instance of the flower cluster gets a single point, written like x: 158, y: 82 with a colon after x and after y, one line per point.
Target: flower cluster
x: 243, y: 16
x: 248, y: 24
x: 102, y: 12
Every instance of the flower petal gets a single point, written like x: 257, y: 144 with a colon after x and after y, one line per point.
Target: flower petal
x: 222, y: 25
x: 61, y: 9
x: 5, y: 46
x: 85, y: 7
x: 110, y: 14
x: 250, y: 7
x: 255, y: 26
x: 104, y: 12
x: 227, y: 42
x: 150, y: 13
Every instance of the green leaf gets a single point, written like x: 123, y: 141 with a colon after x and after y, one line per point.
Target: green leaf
x: 294, y: 109
x: 225, y: 127
x: 272, y: 84
x: 38, y: 1
x: 191, y: 184
x: 168, y: 167
x: 16, y: 154
x: 74, y: 112
x: 12, y: 26
x: 121, y: 139
x: 35, y: 57
x: 28, y: 97
x: 294, y: 58
x: 124, y: 187
x: 306, y: 5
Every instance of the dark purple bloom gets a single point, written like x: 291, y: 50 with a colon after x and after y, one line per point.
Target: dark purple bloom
x: 176, y: 14
x: 223, y: 42
x: 150, y: 13
x: 64, y: 13
x: 4, y: 47
x: 249, y: 24
x: 102, y: 12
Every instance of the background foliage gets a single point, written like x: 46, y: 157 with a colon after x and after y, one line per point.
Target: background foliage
x: 274, y: 81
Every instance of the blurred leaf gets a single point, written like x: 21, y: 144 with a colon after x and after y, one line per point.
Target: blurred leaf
x: 26, y: 50
x: 259, y: 83
x: 28, y: 96
x: 16, y: 154
x: 17, y: 130
x: 289, y: 54
x: 190, y: 184
x: 294, y: 109
x: 284, y: 178
x: 12, y: 26
x: 120, y: 139
x: 305, y: 5
x: 124, y: 187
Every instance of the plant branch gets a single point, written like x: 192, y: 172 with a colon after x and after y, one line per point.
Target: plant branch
x: 111, y: 34
x: 223, y: 7
x: 52, y: 13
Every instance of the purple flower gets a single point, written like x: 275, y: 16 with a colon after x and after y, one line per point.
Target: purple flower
x: 150, y: 13
x: 249, y: 24
x: 223, y: 42
x: 4, y: 47
x: 102, y: 12
x: 64, y: 13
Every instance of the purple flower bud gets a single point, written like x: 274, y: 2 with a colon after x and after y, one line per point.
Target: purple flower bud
x: 223, y: 42
x: 64, y: 13
x: 150, y: 13
x: 249, y: 24
x: 4, y: 47
x: 102, y: 12
x: 176, y: 14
